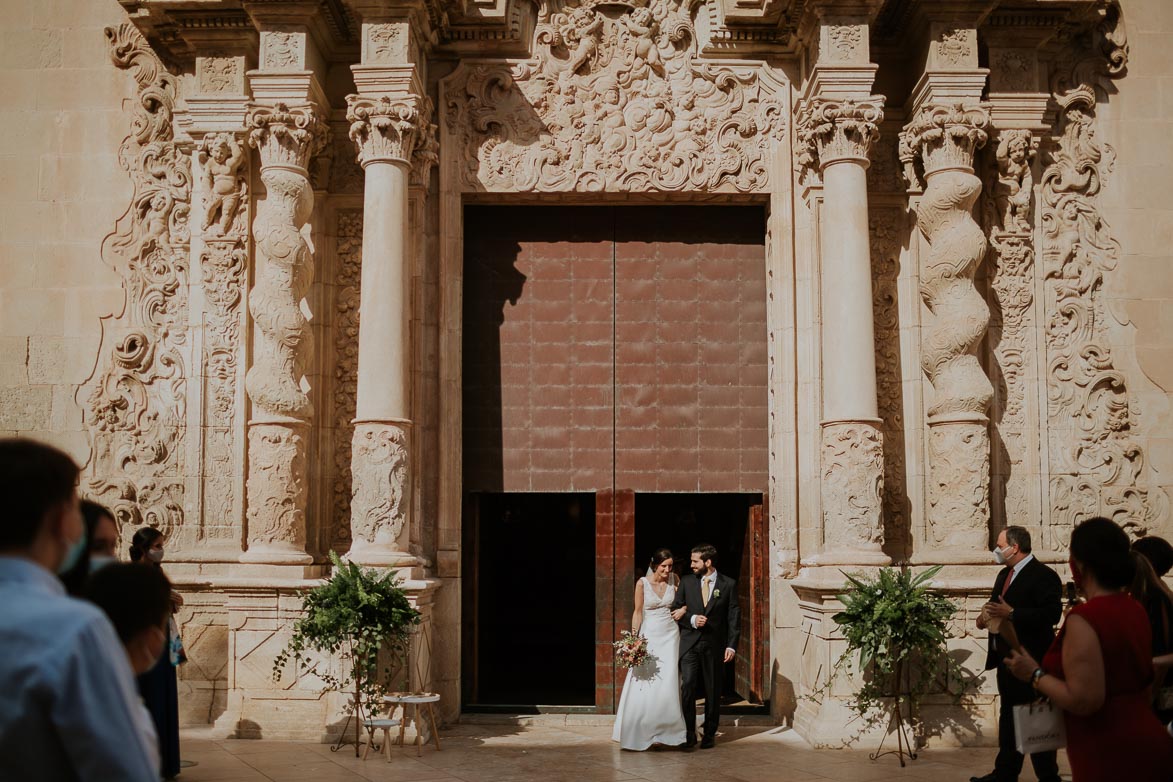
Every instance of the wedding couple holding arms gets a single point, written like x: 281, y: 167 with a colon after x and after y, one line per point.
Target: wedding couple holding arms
x: 691, y: 627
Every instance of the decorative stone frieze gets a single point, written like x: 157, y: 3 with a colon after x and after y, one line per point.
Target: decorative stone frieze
x: 853, y: 485
x: 944, y: 138
x: 386, y: 129
x: 830, y: 131
x: 135, y: 407
x: 613, y: 102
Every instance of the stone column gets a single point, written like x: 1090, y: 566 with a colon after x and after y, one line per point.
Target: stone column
x: 387, y: 118
x: 838, y: 134
x: 948, y: 125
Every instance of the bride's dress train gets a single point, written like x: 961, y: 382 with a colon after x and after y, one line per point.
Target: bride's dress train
x: 649, y: 709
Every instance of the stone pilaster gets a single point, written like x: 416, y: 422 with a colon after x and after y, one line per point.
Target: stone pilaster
x: 836, y: 127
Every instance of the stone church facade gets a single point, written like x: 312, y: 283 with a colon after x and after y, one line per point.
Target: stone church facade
x: 239, y: 237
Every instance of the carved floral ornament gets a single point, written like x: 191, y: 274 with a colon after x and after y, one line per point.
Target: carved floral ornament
x: 286, y: 136
x: 614, y: 101
x: 830, y: 131
x: 387, y: 129
x: 943, y: 136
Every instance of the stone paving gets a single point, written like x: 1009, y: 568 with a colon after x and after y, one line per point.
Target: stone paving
x: 507, y: 753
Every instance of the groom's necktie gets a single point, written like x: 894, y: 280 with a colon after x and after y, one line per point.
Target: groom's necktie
x: 705, y: 591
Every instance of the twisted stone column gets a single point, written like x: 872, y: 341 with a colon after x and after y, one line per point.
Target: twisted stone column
x: 837, y: 135
x: 386, y: 131
x: 285, y: 137
x: 944, y: 138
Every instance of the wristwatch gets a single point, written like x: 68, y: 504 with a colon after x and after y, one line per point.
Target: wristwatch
x: 1034, y: 677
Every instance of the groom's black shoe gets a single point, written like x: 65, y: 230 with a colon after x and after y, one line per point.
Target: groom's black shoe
x: 991, y: 777
x: 708, y: 742
x: 689, y: 743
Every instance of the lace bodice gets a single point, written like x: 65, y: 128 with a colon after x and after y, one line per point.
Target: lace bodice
x: 655, y: 603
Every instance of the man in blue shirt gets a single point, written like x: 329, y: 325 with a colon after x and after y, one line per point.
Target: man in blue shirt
x: 67, y: 695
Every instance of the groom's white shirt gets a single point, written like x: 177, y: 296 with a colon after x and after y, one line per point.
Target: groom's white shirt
x: 712, y: 579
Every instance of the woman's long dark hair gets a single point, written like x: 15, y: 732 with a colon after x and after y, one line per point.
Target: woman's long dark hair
x: 1101, y: 547
x: 142, y: 541
x: 75, y: 578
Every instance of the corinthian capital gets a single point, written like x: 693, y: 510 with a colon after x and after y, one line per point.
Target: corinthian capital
x: 286, y: 136
x: 943, y: 136
x: 386, y: 129
x: 830, y: 131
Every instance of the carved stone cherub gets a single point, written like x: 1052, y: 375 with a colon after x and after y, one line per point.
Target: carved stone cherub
x: 582, y: 30
x: 223, y: 157
x: 1015, y: 182
x: 642, y: 26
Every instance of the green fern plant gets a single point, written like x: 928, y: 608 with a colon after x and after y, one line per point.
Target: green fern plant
x: 356, y: 614
x: 896, y: 630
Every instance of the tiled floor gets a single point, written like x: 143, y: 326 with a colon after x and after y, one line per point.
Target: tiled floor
x: 504, y: 753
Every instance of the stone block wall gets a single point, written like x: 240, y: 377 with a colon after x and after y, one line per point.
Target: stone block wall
x: 61, y: 189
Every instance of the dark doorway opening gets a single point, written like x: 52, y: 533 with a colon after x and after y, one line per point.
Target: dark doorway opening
x: 529, y: 588
x: 725, y: 520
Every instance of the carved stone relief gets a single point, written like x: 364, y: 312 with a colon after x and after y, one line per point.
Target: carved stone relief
x: 845, y: 42
x: 220, y: 75
x: 281, y: 50
x: 136, y: 402
x: 945, y: 138
x: 386, y: 128
x: 832, y: 130
x: 1097, y: 461
x: 381, y: 494
x: 613, y: 102
x: 886, y: 228
x: 277, y: 488
x: 348, y: 258
x: 852, y: 485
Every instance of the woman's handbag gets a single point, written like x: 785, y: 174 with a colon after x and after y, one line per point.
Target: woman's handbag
x: 1038, y: 727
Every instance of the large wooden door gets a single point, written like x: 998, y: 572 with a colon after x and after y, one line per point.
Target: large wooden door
x: 753, y: 596
x: 611, y: 351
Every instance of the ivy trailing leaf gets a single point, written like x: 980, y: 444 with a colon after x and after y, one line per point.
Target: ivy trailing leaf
x: 356, y: 614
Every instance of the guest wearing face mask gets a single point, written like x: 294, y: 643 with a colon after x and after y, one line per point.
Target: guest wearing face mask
x: 137, y: 600
x: 159, y: 686
x: 1100, y: 671
x: 100, y: 549
x: 1028, y: 594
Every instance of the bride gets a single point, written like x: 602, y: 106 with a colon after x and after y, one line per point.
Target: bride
x: 649, y: 709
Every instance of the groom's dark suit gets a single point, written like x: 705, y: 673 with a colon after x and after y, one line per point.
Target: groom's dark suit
x: 702, y: 650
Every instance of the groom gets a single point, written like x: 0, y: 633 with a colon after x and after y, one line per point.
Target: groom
x: 708, y: 639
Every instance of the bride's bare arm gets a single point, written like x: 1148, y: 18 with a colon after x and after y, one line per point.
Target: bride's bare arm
x: 637, y: 617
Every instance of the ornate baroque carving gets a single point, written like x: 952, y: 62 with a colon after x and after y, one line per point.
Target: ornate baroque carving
x: 1015, y: 185
x: 221, y: 157
x: 380, y: 502
x: 277, y: 488
x: 613, y: 102
x: 945, y: 137
x: 135, y: 410
x: 348, y: 257
x: 845, y: 42
x: 386, y: 129
x: 832, y: 130
x: 1097, y: 462
x: 887, y: 231
x: 852, y: 485
x: 219, y: 75
x: 285, y: 138
x: 282, y: 50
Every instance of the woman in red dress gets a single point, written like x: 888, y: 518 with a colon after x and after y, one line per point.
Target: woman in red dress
x: 1099, y: 670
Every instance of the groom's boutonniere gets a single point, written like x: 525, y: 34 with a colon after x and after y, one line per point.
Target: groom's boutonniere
x: 716, y: 593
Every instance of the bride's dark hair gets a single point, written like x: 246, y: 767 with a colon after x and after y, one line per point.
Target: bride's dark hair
x: 659, y: 555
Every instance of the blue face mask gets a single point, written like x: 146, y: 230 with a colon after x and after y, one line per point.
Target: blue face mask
x: 76, y: 549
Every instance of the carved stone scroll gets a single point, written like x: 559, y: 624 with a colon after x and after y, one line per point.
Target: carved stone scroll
x: 613, y: 102
x: 1097, y: 461
x: 944, y: 138
x: 136, y: 402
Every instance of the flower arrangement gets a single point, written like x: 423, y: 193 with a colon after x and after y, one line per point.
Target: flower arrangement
x: 631, y: 650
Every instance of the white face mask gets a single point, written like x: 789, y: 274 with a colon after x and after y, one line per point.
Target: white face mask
x: 999, y: 557
x: 155, y: 555
x: 99, y: 561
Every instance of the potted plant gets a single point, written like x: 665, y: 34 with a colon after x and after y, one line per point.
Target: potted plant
x: 896, y: 630
x: 357, y: 615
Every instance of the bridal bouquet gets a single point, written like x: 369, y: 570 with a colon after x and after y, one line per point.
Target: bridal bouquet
x: 631, y: 650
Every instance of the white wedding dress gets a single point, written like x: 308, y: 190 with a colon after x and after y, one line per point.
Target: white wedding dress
x: 649, y: 709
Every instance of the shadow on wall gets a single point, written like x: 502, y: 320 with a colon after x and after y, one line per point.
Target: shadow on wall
x: 784, y: 697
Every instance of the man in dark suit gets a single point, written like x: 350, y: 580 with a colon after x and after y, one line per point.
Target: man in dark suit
x: 709, y: 631
x: 1028, y: 594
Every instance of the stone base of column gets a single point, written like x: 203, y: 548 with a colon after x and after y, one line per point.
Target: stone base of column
x: 277, y: 493
x: 852, y: 485
x: 381, y: 494
x: 958, y: 514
